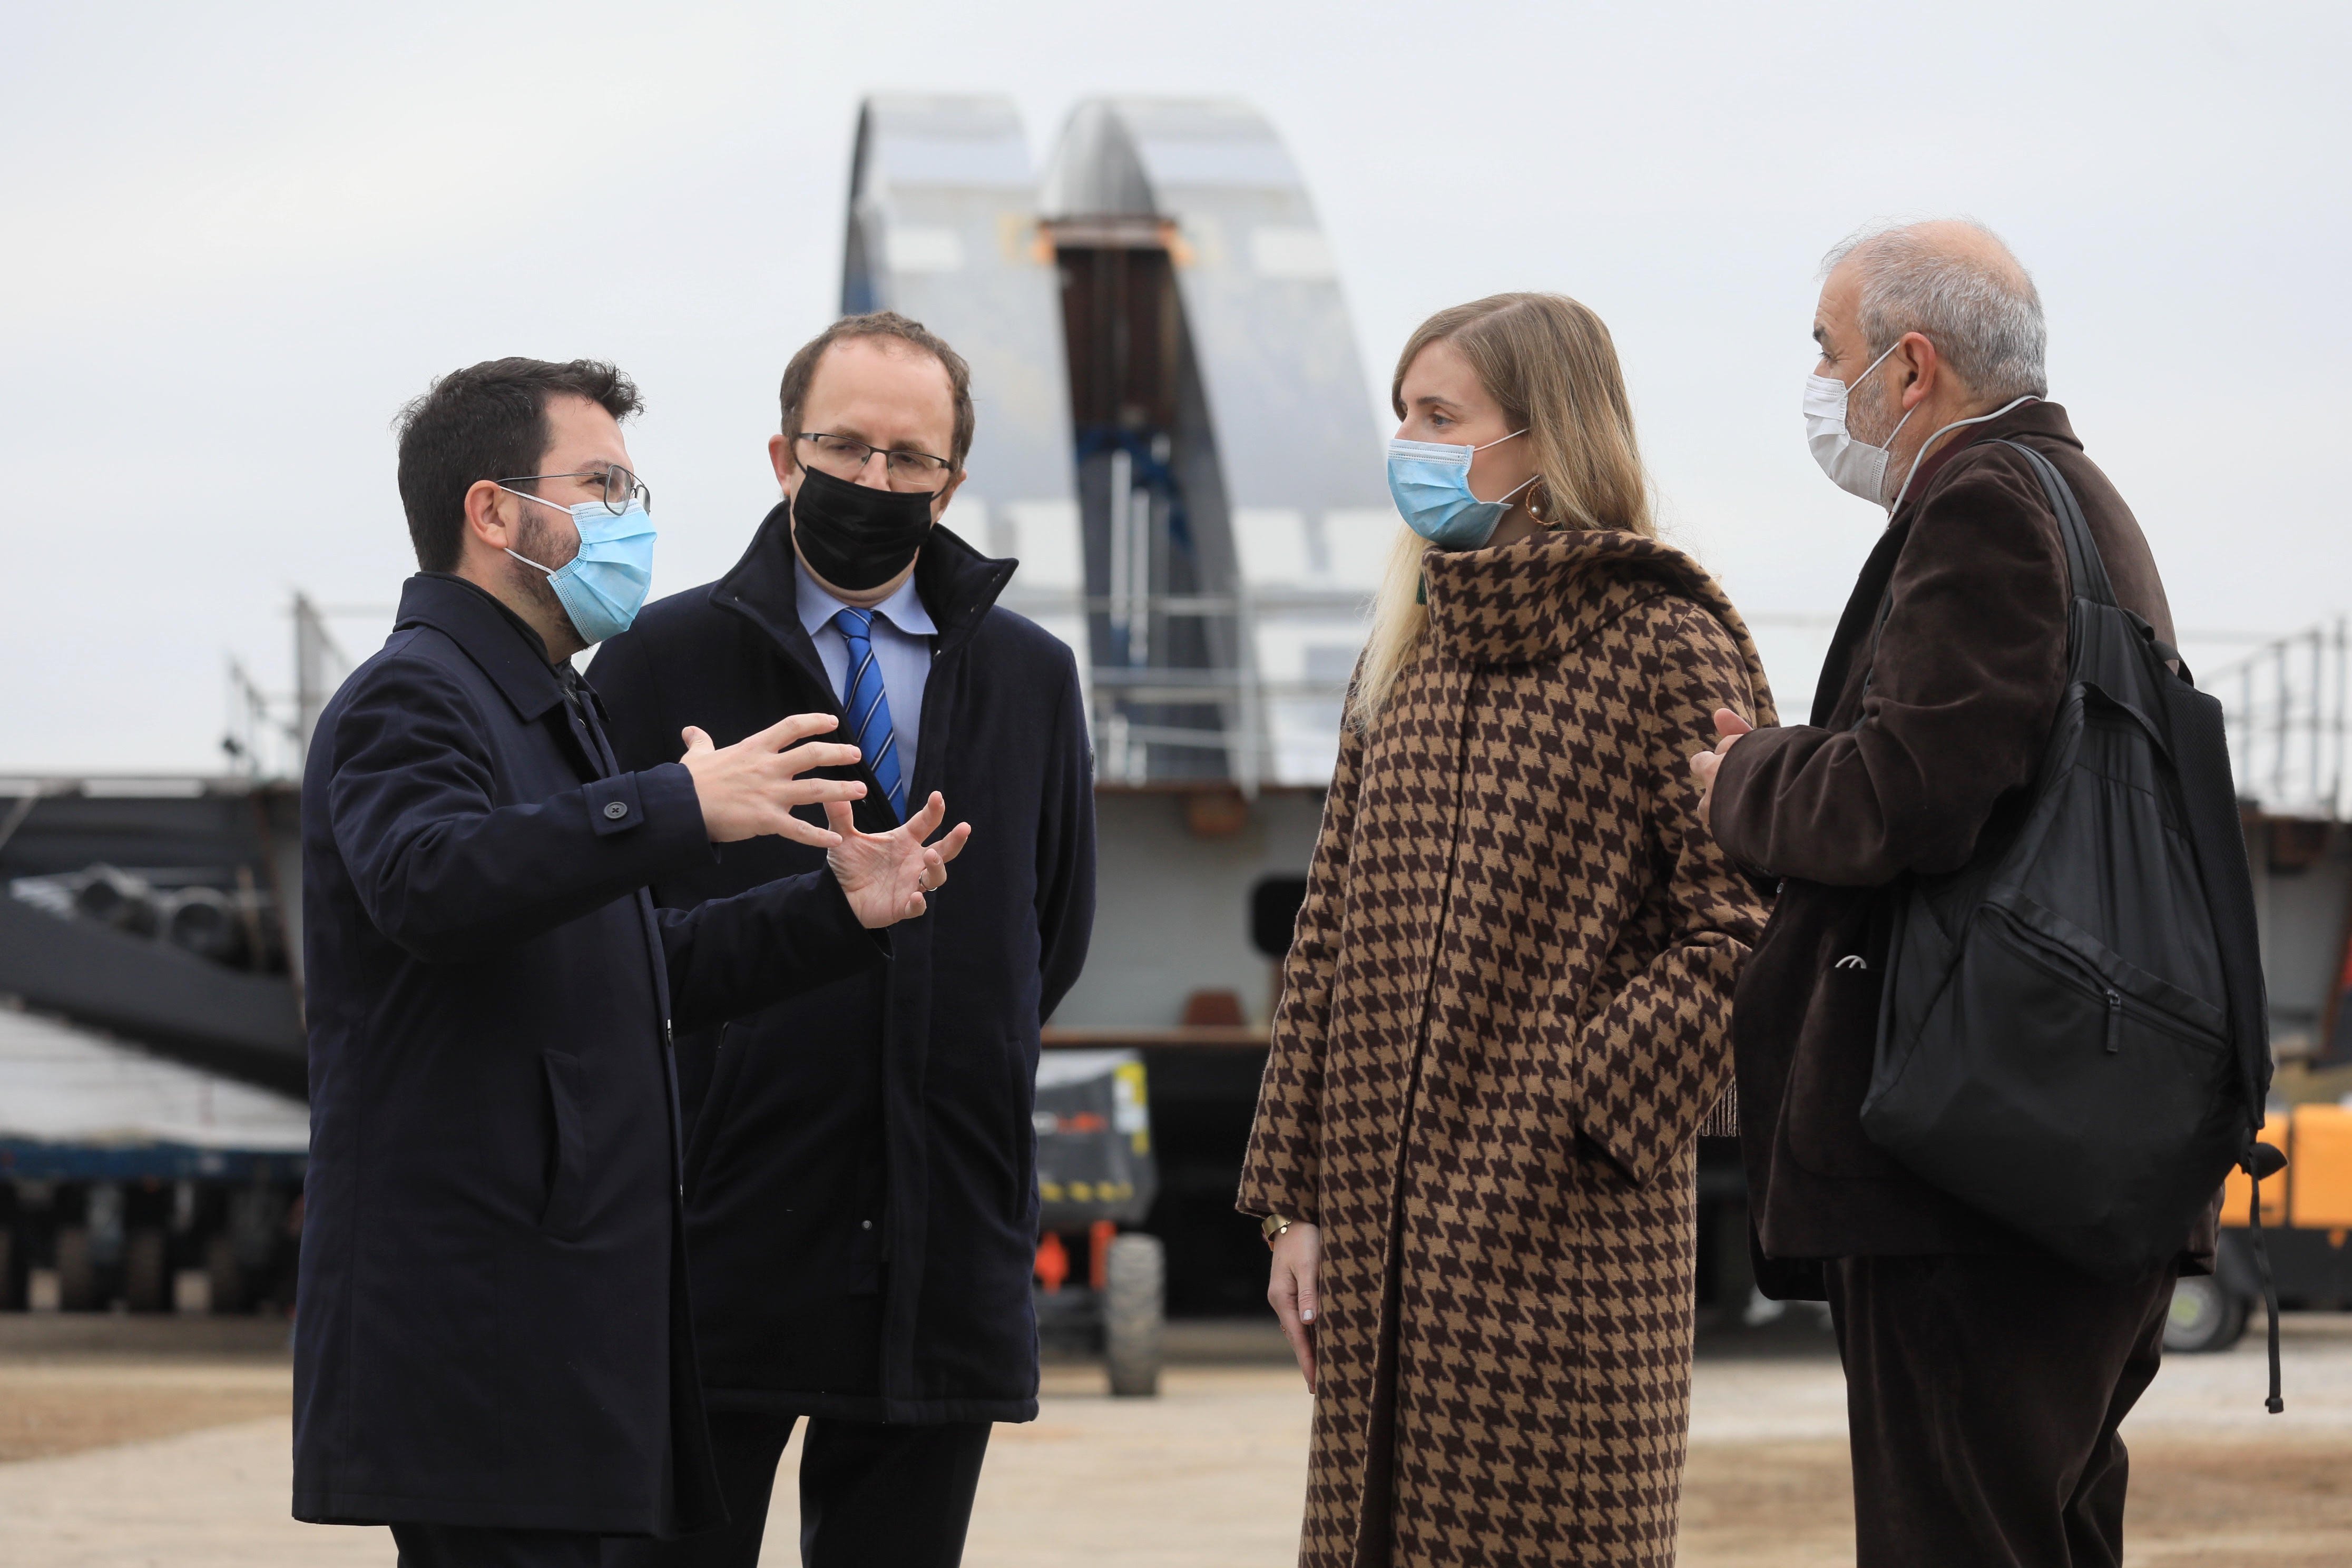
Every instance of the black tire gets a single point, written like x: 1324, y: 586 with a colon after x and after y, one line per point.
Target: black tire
x: 76, y: 1273
x: 227, y: 1278
x: 1135, y: 1305
x: 2205, y: 1316
x: 146, y: 1282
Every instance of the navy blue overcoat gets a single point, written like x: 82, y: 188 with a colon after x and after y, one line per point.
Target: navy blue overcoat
x: 492, y: 1319
x: 861, y: 1175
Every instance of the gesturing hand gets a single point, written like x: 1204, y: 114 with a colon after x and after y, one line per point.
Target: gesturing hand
x: 1728, y: 728
x: 886, y: 874
x: 750, y: 787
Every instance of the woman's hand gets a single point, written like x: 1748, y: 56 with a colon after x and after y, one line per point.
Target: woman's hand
x: 1297, y: 1254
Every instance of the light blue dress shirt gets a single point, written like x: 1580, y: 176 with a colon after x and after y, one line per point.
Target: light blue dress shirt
x: 903, y: 631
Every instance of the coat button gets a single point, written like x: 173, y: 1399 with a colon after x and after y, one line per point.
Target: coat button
x: 616, y: 809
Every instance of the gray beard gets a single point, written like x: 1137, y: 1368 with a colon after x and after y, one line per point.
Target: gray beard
x: 1870, y: 421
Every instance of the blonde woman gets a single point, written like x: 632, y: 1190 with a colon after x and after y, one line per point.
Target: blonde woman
x: 1504, y: 1013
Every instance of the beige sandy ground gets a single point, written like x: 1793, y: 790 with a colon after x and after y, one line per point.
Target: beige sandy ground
x: 1210, y: 1474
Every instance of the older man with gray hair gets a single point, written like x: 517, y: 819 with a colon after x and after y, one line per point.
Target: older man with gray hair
x: 1985, y: 1380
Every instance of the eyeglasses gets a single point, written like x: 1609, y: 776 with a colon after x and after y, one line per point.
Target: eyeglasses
x: 842, y: 457
x: 621, y: 487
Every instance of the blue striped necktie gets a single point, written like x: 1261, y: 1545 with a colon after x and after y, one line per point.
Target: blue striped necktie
x: 868, y: 706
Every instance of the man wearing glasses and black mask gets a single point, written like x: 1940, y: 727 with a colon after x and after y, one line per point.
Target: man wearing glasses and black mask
x: 860, y: 1173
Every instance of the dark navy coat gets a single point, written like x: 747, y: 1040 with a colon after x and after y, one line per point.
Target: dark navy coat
x: 861, y: 1174
x: 491, y: 1323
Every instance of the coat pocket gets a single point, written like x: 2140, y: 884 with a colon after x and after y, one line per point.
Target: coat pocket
x: 1021, y: 1087
x: 711, y: 1109
x: 1837, y: 1049
x: 567, y: 1182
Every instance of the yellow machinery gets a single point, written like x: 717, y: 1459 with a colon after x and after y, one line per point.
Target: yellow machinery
x: 2306, y: 1227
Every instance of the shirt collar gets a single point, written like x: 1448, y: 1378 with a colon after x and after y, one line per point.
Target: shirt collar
x: 903, y: 609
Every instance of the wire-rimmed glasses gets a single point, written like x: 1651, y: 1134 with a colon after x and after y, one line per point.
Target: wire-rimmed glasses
x: 845, y: 456
x: 621, y: 487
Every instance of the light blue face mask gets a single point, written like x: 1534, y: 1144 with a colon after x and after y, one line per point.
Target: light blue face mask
x: 1430, y: 481
x: 605, y: 585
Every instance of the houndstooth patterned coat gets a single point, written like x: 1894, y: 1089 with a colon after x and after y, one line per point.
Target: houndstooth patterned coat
x: 1504, y: 1017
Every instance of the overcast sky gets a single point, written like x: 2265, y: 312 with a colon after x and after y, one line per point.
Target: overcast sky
x: 239, y: 237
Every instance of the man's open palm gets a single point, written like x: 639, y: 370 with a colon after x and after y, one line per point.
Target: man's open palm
x: 887, y: 875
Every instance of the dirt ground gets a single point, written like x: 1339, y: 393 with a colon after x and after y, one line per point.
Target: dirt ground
x: 72, y: 1383
x: 51, y: 1408
x: 2218, y: 1505
x: 136, y: 1455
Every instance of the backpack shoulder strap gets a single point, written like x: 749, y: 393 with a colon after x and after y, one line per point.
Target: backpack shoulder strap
x: 2084, y: 567
x: 2084, y: 564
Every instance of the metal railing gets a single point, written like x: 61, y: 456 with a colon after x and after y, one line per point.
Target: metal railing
x: 2285, y: 705
x: 1347, y: 602
x: 267, y: 732
x: 1237, y: 723
x: 1237, y: 706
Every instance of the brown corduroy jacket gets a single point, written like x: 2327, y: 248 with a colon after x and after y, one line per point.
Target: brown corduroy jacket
x: 1969, y: 669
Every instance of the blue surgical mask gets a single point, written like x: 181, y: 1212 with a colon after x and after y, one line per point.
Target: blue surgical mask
x: 1430, y: 481
x: 603, y: 587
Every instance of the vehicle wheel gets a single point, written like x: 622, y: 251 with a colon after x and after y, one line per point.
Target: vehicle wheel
x: 146, y: 1284
x: 2205, y: 1317
x: 227, y: 1278
x: 1135, y: 1305
x: 77, y: 1274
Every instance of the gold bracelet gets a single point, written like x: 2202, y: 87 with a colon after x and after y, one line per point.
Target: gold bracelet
x: 1272, y: 1226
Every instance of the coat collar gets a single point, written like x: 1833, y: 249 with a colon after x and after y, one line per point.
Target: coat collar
x: 956, y: 584
x: 2042, y: 418
x: 1537, y: 599
x: 1854, y: 622
x: 498, y: 641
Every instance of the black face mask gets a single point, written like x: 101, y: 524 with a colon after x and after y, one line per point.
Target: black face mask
x: 854, y: 536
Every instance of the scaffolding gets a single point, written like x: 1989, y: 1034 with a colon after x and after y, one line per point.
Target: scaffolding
x: 2285, y: 705
x: 1232, y: 718
x: 1172, y: 435
x: 267, y: 734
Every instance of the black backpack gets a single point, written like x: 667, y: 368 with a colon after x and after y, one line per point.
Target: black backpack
x: 2073, y: 1034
